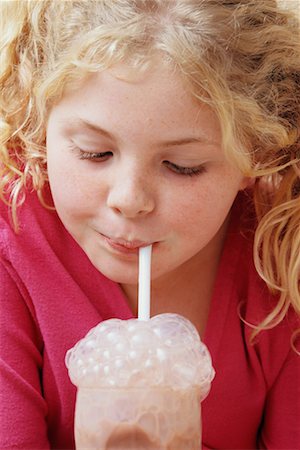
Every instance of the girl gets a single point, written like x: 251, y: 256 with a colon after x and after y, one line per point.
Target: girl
x: 133, y: 122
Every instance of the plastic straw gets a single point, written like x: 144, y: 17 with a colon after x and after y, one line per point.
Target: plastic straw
x: 144, y: 282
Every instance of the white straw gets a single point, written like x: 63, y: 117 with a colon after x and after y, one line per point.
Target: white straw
x: 144, y: 282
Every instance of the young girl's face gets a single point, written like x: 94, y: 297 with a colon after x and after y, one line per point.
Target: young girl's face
x: 138, y: 161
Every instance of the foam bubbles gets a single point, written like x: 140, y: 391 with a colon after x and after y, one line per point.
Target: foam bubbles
x: 165, y: 350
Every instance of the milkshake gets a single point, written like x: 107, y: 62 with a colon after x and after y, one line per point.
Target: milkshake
x: 140, y: 384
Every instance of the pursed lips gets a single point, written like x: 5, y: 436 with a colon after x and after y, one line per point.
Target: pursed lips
x: 124, y: 244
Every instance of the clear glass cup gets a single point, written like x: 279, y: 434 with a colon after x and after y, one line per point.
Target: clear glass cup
x: 140, y: 385
x: 138, y: 418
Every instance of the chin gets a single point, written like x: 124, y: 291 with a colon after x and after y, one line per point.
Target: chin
x: 120, y: 278
x: 121, y: 275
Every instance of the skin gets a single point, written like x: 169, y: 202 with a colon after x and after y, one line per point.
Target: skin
x: 133, y: 193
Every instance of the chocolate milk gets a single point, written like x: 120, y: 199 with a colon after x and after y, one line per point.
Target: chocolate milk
x: 140, y: 385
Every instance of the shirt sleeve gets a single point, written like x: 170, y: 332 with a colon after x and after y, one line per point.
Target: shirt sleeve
x: 23, y: 410
x: 280, y: 428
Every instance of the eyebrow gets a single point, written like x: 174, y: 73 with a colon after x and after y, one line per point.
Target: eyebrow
x: 78, y: 122
x: 75, y: 123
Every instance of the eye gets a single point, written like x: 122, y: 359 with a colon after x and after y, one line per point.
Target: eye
x: 94, y: 156
x: 190, y: 171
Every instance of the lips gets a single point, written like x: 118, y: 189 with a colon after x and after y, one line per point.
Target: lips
x: 125, y: 245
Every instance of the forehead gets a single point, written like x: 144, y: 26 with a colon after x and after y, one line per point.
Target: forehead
x: 122, y: 84
x: 158, y: 99
x: 150, y: 110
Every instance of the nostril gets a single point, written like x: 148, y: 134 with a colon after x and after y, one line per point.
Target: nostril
x: 130, y: 202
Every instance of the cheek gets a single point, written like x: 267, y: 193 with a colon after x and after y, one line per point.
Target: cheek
x: 200, y: 211
x: 74, y: 194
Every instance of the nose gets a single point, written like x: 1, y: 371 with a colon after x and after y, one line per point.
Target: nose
x: 131, y: 195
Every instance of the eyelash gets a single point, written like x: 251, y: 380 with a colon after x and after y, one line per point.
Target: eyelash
x: 103, y: 156
x: 188, y: 171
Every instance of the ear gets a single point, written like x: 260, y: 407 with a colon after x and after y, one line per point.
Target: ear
x: 246, y: 183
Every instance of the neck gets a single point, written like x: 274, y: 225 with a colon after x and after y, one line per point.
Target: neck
x: 187, y: 290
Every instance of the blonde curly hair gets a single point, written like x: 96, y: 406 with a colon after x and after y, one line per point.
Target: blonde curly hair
x: 240, y: 56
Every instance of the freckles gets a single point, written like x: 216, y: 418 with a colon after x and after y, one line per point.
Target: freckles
x: 82, y: 194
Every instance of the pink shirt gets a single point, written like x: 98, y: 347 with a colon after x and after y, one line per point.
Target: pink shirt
x: 51, y: 295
